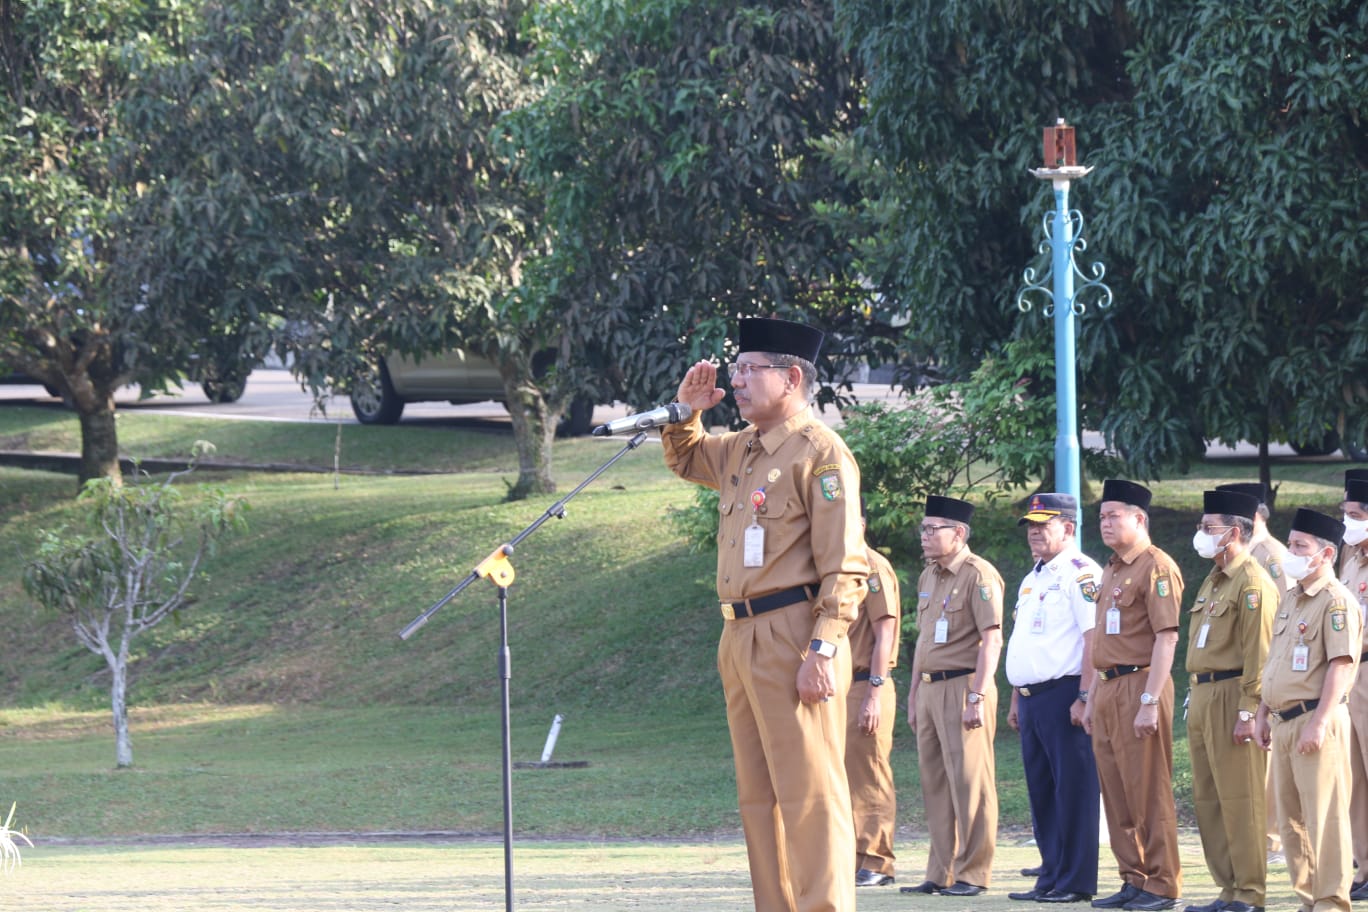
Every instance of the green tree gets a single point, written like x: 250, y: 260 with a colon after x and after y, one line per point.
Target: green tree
x: 129, y: 570
x: 680, y: 147
x: 327, y: 166
x: 1227, y: 200
x: 65, y: 318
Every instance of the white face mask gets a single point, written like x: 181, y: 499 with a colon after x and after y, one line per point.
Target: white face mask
x: 1297, y: 566
x: 1355, y: 530
x: 1205, y: 544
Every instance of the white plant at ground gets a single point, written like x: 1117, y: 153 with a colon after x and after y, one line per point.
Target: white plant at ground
x: 9, y: 847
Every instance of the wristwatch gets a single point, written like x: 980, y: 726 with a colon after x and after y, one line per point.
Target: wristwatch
x: 1083, y: 696
x: 975, y: 697
x: 1148, y: 699
x: 1246, y: 716
x: 876, y: 680
x: 823, y: 648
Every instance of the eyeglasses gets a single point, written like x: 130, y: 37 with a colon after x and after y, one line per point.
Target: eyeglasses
x: 1211, y: 530
x: 739, y: 369
x: 928, y: 530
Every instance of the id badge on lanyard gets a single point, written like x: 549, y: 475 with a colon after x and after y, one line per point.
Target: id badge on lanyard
x: 753, y: 552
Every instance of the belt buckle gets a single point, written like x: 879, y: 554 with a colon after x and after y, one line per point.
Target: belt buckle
x: 1102, y: 675
x: 1025, y: 691
x: 926, y: 677
x: 728, y: 611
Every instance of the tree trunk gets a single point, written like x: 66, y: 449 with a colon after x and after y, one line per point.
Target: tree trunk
x: 118, y: 699
x: 534, y: 431
x: 99, y: 437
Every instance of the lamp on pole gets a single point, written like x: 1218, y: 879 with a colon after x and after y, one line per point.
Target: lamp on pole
x: 1063, y: 229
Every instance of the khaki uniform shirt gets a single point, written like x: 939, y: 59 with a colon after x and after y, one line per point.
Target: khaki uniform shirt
x: 1271, y: 553
x: 800, y: 484
x: 968, y: 595
x: 1146, y: 587
x: 1354, y: 576
x: 1322, y: 617
x: 884, y: 601
x: 1231, y: 623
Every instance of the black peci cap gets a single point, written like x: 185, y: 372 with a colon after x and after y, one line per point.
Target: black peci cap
x: 1230, y: 503
x: 1254, y: 489
x: 1127, y: 492
x: 949, y: 508
x: 780, y: 337
x: 1356, y: 489
x: 1317, y: 524
x: 1356, y: 474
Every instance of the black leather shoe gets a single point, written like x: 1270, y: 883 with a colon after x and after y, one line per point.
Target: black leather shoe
x: 1117, y: 900
x: 867, y: 878
x: 960, y: 888
x: 925, y: 886
x: 1063, y: 896
x: 1028, y: 896
x: 1216, y: 905
x: 1146, y: 901
x: 1033, y: 872
x: 1238, y: 906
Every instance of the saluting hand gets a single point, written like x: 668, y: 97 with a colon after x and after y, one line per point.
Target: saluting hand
x: 699, y: 390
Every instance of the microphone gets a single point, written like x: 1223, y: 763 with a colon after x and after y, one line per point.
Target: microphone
x: 666, y: 414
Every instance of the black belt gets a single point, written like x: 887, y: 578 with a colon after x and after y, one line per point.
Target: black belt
x: 1030, y: 690
x: 930, y: 677
x: 1207, y: 677
x: 1298, y: 709
x: 751, y: 607
x: 1116, y: 671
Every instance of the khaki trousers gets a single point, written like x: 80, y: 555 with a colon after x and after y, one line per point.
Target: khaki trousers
x: 1358, y: 767
x: 959, y: 782
x: 1313, y: 811
x: 790, y: 775
x: 1136, y: 775
x: 1228, y: 783
x: 873, y: 801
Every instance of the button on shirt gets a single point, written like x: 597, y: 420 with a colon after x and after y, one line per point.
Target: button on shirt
x: 1056, y: 606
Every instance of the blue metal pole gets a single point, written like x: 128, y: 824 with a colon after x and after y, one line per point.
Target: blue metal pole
x: 1067, y: 473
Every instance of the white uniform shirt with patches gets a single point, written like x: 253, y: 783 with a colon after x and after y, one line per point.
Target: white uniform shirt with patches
x: 1056, y: 605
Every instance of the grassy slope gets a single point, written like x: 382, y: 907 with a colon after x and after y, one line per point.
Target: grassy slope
x: 611, y: 623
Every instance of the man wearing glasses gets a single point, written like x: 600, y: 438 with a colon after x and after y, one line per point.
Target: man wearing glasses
x: 952, y: 701
x: 1228, y: 631
x: 791, y: 574
x: 1130, y: 710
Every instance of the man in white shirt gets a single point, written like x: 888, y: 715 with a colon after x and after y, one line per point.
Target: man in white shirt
x: 1049, y: 666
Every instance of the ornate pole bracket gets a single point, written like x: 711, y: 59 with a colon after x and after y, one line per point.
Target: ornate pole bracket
x: 1084, y: 284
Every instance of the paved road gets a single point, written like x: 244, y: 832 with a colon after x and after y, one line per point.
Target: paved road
x: 274, y: 395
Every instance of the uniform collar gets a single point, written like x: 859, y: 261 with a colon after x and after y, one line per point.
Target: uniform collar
x: 774, y: 438
x: 1320, y: 583
x: 1230, y: 568
x: 955, y: 562
x: 1130, y: 556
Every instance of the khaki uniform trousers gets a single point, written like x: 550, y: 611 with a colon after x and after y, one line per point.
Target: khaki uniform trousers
x: 790, y: 775
x: 1358, y: 752
x: 1136, y: 775
x: 1228, y: 784
x: 873, y: 800
x: 1313, y: 811
x: 959, y: 782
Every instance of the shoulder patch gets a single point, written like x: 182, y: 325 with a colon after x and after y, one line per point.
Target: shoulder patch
x: 873, y: 582
x: 1337, y: 620
x: 1089, y: 590
x: 1078, y: 562
x: 829, y: 467
x: 1275, y: 569
x: 1161, y: 587
x: 986, y: 593
x: 1253, y: 600
x: 831, y: 486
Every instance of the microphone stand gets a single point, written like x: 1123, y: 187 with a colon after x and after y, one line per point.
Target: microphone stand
x: 499, y: 571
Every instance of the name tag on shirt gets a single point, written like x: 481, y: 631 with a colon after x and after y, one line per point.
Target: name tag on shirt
x: 754, y: 551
